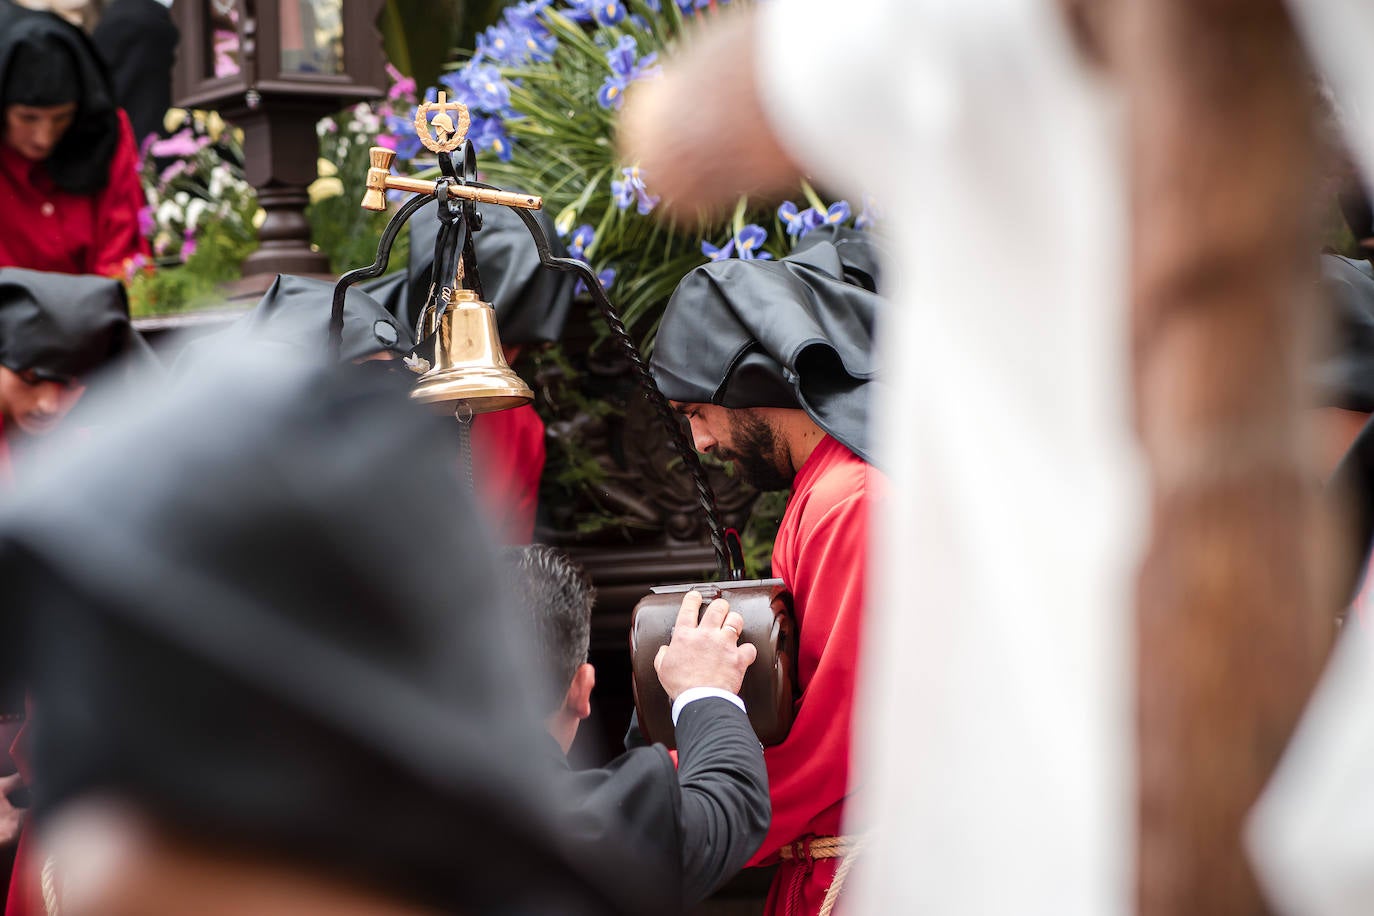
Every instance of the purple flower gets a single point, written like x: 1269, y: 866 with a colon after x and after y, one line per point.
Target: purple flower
x: 869, y: 215
x: 583, y: 236
x: 539, y: 45
x: 498, y: 43
x: 837, y: 213
x: 147, y: 224
x: 401, y: 134
x: 526, y: 15
x: 623, y: 62
x: 688, y: 5
x: 609, y: 12
x: 606, y: 277
x: 488, y: 89
x: 188, y: 244
x: 799, y: 224
x: 718, y: 254
x: 749, y: 243
x: 581, y: 11
x: 612, y: 93
x: 632, y: 188
x: 489, y: 133
x: 626, y: 67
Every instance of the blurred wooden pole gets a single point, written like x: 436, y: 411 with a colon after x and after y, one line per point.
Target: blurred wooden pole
x: 1230, y: 638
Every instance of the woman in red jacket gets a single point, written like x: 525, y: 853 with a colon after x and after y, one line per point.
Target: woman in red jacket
x: 69, y: 182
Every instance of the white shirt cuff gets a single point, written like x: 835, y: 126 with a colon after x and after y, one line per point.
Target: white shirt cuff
x: 701, y: 693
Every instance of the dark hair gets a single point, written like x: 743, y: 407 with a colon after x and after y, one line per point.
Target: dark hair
x: 557, y: 596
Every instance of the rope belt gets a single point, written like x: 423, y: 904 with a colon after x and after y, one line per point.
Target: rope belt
x: 809, y: 849
x: 47, y: 883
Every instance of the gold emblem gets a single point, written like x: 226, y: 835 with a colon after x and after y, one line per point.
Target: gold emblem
x: 442, y: 135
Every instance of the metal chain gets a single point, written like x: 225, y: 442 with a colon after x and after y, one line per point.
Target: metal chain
x: 463, y: 414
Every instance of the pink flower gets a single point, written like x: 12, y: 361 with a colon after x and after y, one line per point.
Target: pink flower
x: 386, y: 140
x: 132, y: 266
x: 181, y: 143
x: 172, y: 171
x: 188, y: 245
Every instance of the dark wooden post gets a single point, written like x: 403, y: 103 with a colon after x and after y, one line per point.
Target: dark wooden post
x: 1230, y: 635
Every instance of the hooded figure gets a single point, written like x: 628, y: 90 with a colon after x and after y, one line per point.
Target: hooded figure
x: 69, y: 182
x: 56, y: 331
x: 242, y: 643
x: 797, y: 332
x: 62, y: 328
x: 770, y: 362
x: 294, y: 313
x: 532, y: 304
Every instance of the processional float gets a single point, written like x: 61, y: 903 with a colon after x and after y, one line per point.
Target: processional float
x: 466, y: 373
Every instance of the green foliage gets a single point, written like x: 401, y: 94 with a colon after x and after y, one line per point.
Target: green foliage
x: 760, y: 531
x: 339, y: 226
x: 220, y: 251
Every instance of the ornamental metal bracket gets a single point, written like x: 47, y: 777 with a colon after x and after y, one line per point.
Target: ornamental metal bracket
x: 450, y: 186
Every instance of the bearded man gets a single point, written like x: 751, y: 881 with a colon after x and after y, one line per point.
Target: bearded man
x: 769, y: 361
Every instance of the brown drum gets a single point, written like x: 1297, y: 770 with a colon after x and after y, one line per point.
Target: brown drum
x: 769, y: 684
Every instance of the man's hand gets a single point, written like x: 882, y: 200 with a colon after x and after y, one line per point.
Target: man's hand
x: 705, y: 654
x: 11, y: 818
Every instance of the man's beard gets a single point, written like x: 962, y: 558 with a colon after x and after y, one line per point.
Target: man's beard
x: 756, y: 454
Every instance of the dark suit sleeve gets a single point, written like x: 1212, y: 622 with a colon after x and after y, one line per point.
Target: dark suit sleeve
x: 724, y: 783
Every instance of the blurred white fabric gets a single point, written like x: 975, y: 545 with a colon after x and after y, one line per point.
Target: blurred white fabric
x: 995, y: 749
x: 1311, y: 837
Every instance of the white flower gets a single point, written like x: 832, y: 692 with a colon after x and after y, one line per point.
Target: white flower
x: 194, y: 211
x: 168, y: 214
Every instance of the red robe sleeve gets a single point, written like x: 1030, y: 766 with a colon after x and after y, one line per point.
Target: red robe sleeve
x: 822, y: 559
x: 117, y: 238
x: 508, y: 460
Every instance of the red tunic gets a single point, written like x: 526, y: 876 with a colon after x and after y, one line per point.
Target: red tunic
x: 46, y: 228
x: 820, y: 553
x: 508, y: 460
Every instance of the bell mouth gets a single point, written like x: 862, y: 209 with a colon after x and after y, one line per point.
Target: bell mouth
x: 483, y: 391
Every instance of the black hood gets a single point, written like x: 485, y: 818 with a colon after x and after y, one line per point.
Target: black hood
x: 233, y: 599
x: 531, y: 302
x: 294, y: 314
x: 797, y: 332
x: 63, y: 327
x: 45, y: 60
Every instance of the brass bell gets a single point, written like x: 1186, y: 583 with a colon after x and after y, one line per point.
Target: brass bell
x: 469, y: 366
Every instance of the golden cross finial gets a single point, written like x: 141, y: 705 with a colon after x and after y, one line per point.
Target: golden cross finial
x: 442, y: 135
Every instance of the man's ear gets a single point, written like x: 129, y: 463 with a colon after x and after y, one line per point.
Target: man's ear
x: 579, y: 699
